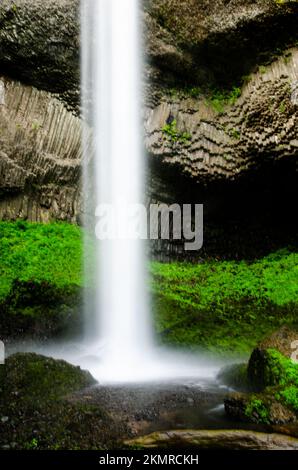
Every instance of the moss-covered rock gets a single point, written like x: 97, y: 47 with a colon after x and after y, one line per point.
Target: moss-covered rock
x: 40, y: 411
x: 262, y: 409
x: 34, y: 377
x: 266, y: 364
x: 274, y: 377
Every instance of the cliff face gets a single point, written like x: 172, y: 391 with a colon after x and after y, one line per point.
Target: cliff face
x: 40, y: 45
x: 223, y: 138
x: 220, y: 100
x: 40, y: 156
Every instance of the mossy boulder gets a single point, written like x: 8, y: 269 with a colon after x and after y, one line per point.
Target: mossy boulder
x: 273, y: 377
x: 34, y: 377
x: 263, y: 409
x: 43, y: 406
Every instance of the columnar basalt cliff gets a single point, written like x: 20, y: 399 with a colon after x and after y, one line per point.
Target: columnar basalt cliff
x: 40, y: 155
x: 211, y: 144
x: 221, y: 101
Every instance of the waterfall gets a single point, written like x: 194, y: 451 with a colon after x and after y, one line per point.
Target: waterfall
x: 111, y: 70
x: 118, y: 344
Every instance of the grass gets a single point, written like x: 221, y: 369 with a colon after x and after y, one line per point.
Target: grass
x: 223, y: 306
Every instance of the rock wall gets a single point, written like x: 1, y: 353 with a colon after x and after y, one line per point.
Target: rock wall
x: 40, y: 45
x: 261, y: 126
x: 40, y: 156
x: 195, y: 50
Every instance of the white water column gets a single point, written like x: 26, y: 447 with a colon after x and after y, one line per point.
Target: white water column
x: 111, y: 78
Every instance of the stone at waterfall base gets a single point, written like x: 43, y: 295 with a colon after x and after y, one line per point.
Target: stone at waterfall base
x: 38, y: 396
x: 271, y: 377
x: 217, y: 439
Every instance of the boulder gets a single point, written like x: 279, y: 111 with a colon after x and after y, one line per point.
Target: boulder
x: 39, y: 404
x: 273, y: 377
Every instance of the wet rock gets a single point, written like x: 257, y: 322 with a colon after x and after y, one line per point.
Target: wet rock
x: 30, y: 376
x: 274, y: 376
x: 36, y: 393
x: 259, y: 409
x: 219, y: 439
x: 235, y: 405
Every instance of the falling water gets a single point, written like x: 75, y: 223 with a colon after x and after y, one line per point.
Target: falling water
x: 118, y: 337
x: 111, y: 86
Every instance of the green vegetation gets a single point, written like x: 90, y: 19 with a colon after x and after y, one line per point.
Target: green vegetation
x: 174, y: 135
x: 280, y: 378
x: 290, y: 397
x: 257, y: 410
x: 219, y: 99
x: 235, y: 134
x: 185, y: 92
x: 262, y: 69
x: 43, y: 253
x: 37, y: 378
x: 279, y: 370
x: 225, y: 306
x: 41, y: 277
x: 282, y: 107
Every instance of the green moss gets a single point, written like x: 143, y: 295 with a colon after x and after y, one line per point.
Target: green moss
x: 262, y: 69
x: 235, y: 134
x: 35, y: 377
x: 41, y: 277
x: 282, y: 107
x: 290, y: 397
x: 257, y: 411
x: 280, y: 384
x: 219, y: 99
x: 279, y: 370
x: 185, y: 92
x: 46, y: 411
x: 225, y: 306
